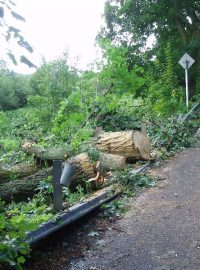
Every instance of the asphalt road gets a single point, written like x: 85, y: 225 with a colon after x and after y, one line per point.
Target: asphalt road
x: 161, y: 231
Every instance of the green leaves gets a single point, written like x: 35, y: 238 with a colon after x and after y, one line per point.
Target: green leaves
x: 171, y: 133
x: 145, y: 27
x: 15, y: 221
x: 134, y: 181
x: 12, y: 58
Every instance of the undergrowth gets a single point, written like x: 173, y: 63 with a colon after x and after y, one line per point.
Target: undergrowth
x: 172, y: 133
x: 133, y: 181
x: 17, y: 219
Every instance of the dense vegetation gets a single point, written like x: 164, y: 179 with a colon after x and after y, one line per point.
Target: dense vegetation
x: 59, y: 104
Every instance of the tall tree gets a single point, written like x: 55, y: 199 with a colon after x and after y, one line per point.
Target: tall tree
x: 134, y: 22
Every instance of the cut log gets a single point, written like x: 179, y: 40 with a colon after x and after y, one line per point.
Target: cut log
x: 142, y: 143
x: 83, y: 169
x: 86, y: 171
x: 110, y: 162
x: 20, y: 190
x: 132, y: 144
x: 17, y: 171
x: 50, y: 153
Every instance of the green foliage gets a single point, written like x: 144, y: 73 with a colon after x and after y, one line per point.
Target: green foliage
x: 93, y: 153
x: 14, y: 90
x: 171, y: 133
x: 74, y: 197
x: 45, y: 188
x: 15, y: 221
x: 135, y: 23
x: 59, y: 105
x: 4, y: 123
x: 116, y: 70
x: 114, y: 208
x: 124, y: 117
x: 163, y: 95
x: 9, y: 144
x: 54, y: 80
x: 133, y: 181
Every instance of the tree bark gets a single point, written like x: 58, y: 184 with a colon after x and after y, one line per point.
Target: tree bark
x: 17, y: 171
x: 22, y: 189
x: 59, y: 152
x: 179, y: 23
x: 84, y: 170
x: 109, y: 162
x: 132, y: 144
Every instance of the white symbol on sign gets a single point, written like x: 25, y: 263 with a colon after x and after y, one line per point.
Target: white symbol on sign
x: 186, y: 61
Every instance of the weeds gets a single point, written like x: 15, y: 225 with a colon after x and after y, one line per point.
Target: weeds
x: 115, y: 208
x: 16, y: 220
x: 133, y: 181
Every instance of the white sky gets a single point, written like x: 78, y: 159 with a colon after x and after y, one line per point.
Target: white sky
x: 52, y: 26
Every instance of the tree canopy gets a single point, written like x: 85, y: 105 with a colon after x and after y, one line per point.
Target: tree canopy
x: 9, y: 32
x: 133, y: 23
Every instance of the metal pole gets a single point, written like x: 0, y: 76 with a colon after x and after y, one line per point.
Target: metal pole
x: 57, y: 188
x: 186, y: 84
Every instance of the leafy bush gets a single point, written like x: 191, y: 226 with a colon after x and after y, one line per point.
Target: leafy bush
x: 171, y: 133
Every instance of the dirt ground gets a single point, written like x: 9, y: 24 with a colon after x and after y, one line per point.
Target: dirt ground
x: 159, y: 232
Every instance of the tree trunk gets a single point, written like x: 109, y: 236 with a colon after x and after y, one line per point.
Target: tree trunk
x: 17, y: 171
x: 59, y: 152
x: 132, y: 144
x: 20, y: 190
x: 109, y: 162
x: 84, y: 170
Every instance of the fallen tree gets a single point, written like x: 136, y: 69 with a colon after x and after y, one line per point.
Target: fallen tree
x: 17, y: 171
x: 114, y: 149
x: 49, y: 153
x: 20, y: 190
x: 130, y: 144
x: 84, y: 171
x: 110, y: 162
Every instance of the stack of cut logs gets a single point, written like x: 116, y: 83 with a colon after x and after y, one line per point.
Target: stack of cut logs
x: 115, y: 149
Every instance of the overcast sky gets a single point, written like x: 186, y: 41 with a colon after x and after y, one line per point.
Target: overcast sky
x: 52, y: 26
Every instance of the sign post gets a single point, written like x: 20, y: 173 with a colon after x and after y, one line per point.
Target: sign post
x: 186, y: 62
